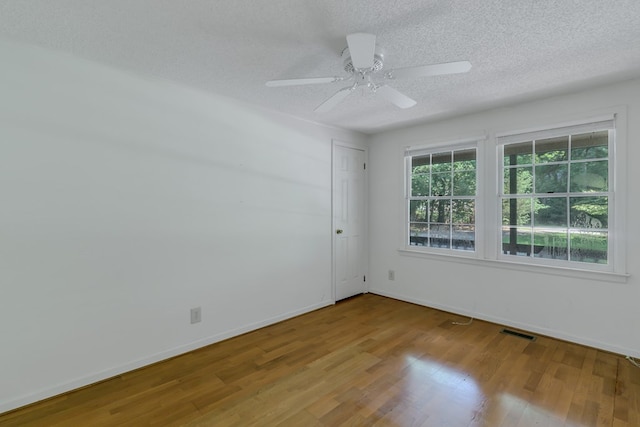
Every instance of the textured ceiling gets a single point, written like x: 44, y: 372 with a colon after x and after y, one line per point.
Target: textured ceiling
x: 520, y: 49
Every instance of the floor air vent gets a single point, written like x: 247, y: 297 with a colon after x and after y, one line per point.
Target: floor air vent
x: 518, y: 334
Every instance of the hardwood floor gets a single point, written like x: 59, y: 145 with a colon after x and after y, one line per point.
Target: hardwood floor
x: 366, y: 361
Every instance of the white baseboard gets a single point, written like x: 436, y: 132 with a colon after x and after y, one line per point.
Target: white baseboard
x: 139, y: 363
x: 518, y: 325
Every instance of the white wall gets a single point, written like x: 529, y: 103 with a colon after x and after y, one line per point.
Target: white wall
x: 127, y: 201
x: 598, y: 313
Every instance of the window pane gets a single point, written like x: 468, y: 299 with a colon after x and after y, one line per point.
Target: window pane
x: 589, y: 212
x: 594, y: 145
x: 516, y: 241
x: 418, y: 210
x: 555, y: 197
x: 440, y: 235
x: 589, y: 246
x: 518, y: 154
x: 420, y: 184
x: 589, y: 176
x: 550, y: 212
x: 440, y: 211
x: 463, y: 211
x: 441, y: 184
x: 550, y: 244
x: 434, y: 179
x: 516, y: 211
x: 551, y: 178
x: 464, y: 183
x: 418, y: 234
x: 464, y: 160
x: 518, y: 180
x: 441, y: 162
x: 464, y: 237
x: 420, y: 164
x: 552, y: 149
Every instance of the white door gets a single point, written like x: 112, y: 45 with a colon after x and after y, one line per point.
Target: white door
x: 348, y: 221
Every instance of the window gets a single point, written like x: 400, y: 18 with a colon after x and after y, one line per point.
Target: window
x: 547, y: 198
x: 555, y: 195
x: 441, y: 198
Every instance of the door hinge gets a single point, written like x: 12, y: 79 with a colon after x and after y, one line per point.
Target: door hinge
x: 365, y: 166
x: 364, y: 278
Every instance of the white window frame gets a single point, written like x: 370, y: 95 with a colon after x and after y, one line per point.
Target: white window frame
x: 488, y: 246
x: 597, y: 123
x: 419, y: 150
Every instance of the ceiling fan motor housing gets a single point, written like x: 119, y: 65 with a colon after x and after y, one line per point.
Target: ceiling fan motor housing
x: 378, y: 60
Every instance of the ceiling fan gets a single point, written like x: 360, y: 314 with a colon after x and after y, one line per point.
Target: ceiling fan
x: 363, y: 61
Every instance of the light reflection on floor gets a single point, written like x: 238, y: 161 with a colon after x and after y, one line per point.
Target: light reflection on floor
x: 448, y: 396
x: 452, y: 397
x: 528, y: 414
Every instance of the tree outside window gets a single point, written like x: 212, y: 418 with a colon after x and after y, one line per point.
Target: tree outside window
x: 555, y: 197
x: 442, y: 199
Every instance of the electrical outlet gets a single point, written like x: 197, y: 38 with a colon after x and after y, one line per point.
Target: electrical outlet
x: 392, y: 275
x: 196, y: 315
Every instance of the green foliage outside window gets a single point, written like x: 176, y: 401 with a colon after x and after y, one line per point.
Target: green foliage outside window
x: 555, y: 197
x: 442, y: 199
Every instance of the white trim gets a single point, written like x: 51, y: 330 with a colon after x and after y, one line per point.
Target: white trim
x: 560, y: 127
x: 619, y: 183
x: 554, y: 270
x: 350, y: 144
x: 554, y: 333
x: 417, y: 150
x: 145, y: 361
x: 490, y: 184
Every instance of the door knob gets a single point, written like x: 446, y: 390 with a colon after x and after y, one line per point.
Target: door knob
x: 339, y: 231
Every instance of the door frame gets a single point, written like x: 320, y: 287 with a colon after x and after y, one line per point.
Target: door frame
x: 365, y: 232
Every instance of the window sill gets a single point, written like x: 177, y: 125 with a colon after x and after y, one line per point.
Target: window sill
x: 575, y: 273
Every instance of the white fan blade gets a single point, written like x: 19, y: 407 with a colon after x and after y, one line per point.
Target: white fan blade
x: 430, y: 70
x: 307, y: 81
x: 362, y: 47
x: 335, y: 99
x: 399, y: 99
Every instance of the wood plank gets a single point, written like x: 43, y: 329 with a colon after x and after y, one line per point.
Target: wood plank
x: 366, y: 361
